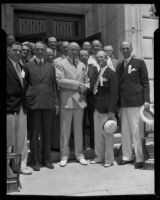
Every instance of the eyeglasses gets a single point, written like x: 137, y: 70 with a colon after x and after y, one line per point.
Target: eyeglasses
x: 127, y: 48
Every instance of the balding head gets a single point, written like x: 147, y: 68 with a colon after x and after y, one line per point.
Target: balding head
x: 73, y: 50
x: 49, y: 56
x: 126, y: 49
x: 96, y: 46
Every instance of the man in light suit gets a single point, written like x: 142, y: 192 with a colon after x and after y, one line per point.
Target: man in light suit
x: 43, y: 102
x: 134, y: 92
x: 16, y: 107
x: 71, y: 83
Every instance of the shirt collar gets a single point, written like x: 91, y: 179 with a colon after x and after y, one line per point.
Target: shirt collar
x: 128, y: 59
x: 39, y: 59
x: 13, y: 62
x: 71, y: 60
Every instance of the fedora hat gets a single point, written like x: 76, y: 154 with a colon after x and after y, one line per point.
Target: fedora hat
x: 147, y: 116
x: 109, y: 126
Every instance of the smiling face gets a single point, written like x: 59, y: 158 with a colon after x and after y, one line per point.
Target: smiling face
x: 86, y: 46
x: 101, y: 58
x: 84, y: 56
x: 126, y: 49
x: 52, y: 43
x: 25, y: 51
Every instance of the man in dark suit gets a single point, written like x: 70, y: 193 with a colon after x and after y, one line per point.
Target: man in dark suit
x: 16, y: 110
x: 89, y: 69
x: 134, y: 92
x: 43, y: 102
x: 104, y: 86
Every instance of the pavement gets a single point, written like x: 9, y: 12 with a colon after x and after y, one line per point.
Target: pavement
x: 91, y: 180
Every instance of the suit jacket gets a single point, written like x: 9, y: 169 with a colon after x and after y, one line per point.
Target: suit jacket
x: 107, y: 96
x: 68, y: 78
x: 133, y: 83
x: 16, y: 93
x: 42, y: 92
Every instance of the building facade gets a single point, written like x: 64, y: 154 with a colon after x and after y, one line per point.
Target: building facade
x: 110, y: 23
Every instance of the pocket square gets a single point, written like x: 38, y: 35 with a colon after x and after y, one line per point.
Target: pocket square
x: 133, y: 69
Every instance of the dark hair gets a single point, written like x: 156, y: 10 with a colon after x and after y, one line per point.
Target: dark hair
x: 14, y: 43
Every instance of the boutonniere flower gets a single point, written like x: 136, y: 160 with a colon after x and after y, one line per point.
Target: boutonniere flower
x: 129, y: 69
x: 22, y: 74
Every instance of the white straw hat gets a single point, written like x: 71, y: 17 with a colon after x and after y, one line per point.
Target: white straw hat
x: 109, y: 126
x: 147, y: 116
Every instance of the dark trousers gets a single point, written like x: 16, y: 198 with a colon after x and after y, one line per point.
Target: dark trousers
x: 55, y: 136
x: 41, y: 123
x: 90, y: 111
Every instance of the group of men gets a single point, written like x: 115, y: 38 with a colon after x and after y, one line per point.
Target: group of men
x: 44, y: 83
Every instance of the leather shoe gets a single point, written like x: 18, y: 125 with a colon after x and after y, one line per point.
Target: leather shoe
x: 83, y: 161
x: 139, y: 165
x: 36, y: 167
x: 49, y: 165
x: 95, y: 162
x: 63, y: 163
x: 26, y: 171
x: 108, y: 165
x: 124, y: 162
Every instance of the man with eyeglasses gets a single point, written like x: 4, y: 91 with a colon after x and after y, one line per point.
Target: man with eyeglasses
x: 134, y: 93
x: 108, y: 49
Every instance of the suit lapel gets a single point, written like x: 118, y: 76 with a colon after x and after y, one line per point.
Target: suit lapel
x: 13, y: 71
x: 124, y: 72
x: 45, y: 68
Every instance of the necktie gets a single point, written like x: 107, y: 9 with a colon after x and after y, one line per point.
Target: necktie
x: 95, y: 88
x: 74, y: 62
x: 40, y: 65
x: 125, y: 63
x: 18, y: 69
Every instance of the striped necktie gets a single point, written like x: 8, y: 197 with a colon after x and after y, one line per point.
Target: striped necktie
x: 95, y: 88
x: 18, y: 70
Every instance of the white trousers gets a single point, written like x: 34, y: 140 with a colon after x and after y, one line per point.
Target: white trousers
x: 66, y: 116
x: 132, y: 129
x: 21, y: 137
x: 103, y: 141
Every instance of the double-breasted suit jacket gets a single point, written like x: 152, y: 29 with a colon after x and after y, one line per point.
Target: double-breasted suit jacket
x: 68, y: 78
x: 72, y: 103
x: 42, y: 90
x: 42, y: 96
x: 133, y: 83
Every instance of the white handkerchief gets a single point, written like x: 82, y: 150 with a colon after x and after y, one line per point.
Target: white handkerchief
x: 80, y: 100
x: 133, y: 69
